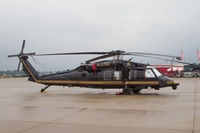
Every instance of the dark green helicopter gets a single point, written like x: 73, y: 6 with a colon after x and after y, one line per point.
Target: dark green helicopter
x: 130, y: 76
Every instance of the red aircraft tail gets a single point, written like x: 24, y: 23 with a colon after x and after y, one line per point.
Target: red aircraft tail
x: 182, y: 57
x: 198, y: 54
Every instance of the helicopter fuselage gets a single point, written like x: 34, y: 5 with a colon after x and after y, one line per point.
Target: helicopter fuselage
x: 104, y: 74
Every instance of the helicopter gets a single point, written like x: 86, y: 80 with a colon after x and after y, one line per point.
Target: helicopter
x: 127, y: 75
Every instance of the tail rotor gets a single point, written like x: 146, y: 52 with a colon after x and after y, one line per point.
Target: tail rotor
x: 21, y: 54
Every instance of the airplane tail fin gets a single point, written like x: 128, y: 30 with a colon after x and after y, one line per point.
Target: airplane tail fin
x: 182, y: 56
x: 198, y: 54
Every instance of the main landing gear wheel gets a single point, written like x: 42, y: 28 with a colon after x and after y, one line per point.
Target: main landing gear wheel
x: 43, y: 89
x: 130, y: 91
x: 126, y: 91
x: 136, y: 91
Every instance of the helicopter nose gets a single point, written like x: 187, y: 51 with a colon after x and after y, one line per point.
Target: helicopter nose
x: 162, y: 81
x: 171, y: 82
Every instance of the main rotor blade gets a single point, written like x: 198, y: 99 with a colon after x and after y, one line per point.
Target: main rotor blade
x: 163, y: 59
x: 76, y: 53
x: 28, y: 54
x: 164, y: 55
x: 99, y: 57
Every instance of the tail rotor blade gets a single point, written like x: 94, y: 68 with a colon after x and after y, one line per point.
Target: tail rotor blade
x: 9, y: 56
x: 18, y: 66
x: 23, y: 45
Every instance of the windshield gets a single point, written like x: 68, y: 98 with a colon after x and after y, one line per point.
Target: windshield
x: 158, y: 74
x: 149, y: 73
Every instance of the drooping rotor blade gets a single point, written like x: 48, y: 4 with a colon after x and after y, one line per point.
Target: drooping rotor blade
x: 163, y: 55
x: 117, y: 52
x: 103, y: 54
x: 76, y: 53
x: 146, y: 56
x: 28, y: 54
x: 99, y: 57
x: 109, y: 54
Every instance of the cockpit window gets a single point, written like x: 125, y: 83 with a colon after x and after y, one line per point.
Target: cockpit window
x: 149, y: 73
x: 158, y: 74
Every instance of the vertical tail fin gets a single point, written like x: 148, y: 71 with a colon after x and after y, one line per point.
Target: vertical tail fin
x: 29, y: 69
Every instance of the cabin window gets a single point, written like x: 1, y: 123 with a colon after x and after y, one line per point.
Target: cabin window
x: 136, y: 74
x: 117, y: 75
x: 108, y: 75
x: 130, y: 74
x: 149, y: 73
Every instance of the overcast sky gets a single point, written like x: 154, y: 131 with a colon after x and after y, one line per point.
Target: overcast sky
x: 158, y: 26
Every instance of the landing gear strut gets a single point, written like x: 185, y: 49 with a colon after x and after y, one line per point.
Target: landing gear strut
x: 43, y: 89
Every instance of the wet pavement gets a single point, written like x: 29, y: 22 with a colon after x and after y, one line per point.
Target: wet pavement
x: 23, y: 109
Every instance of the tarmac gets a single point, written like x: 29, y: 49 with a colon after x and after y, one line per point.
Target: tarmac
x: 23, y: 109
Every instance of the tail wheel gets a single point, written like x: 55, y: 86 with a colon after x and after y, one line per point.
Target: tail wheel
x: 174, y: 87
